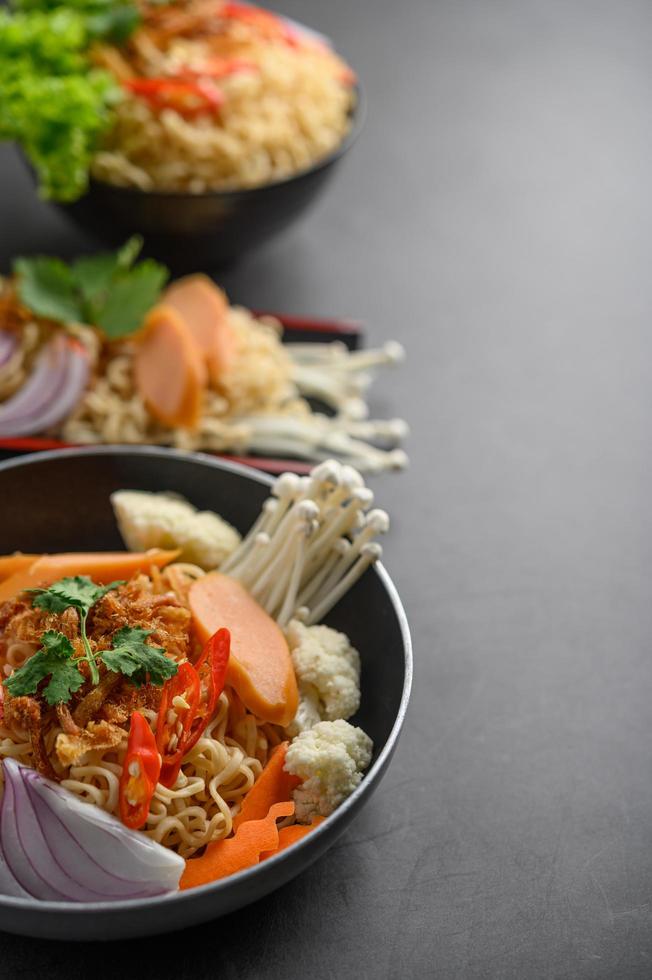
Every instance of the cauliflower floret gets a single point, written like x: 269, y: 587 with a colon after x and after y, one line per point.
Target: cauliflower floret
x: 157, y: 520
x: 307, y: 715
x: 330, y: 759
x: 328, y: 674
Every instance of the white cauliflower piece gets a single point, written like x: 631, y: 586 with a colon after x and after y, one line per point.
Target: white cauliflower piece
x: 328, y: 673
x: 308, y: 714
x: 158, y: 520
x: 330, y: 760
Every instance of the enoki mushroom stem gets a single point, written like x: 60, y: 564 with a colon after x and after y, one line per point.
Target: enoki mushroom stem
x: 312, y: 542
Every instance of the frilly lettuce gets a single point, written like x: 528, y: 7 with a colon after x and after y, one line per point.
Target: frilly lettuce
x: 53, y: 103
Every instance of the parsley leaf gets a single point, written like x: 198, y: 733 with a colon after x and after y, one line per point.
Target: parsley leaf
x: 55, y: 660
x: 110, y: 291
x: 138, y: 661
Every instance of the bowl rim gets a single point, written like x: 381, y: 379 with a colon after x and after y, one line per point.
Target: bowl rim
x: 358, y: 115
x: 371, y: 777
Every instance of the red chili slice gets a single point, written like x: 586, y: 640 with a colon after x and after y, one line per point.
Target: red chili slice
x: 174, y: 720
x: 187, y: 97
x: 211, y: 670
x: 200, y: 686
x: 140, y: 773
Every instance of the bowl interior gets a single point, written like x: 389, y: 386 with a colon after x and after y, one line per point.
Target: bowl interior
x: 60, y: 502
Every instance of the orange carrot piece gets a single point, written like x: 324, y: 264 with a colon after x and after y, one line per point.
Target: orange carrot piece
x: 169, y: 371
x: 205, y: 311
x: 102, y: 567
x: 225, y: 857
x: 274, y: 785
x: 10, y: 564
x: 260, y: 666
x: 288, y: 836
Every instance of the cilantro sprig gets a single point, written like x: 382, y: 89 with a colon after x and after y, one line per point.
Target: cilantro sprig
x: 111, y: 291
x: 53, y: 660
x: 137, y: 660
x: 130, y: 655
x: 80, y: 593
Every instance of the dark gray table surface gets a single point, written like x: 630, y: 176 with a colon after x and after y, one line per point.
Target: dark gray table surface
x: 495, y: 217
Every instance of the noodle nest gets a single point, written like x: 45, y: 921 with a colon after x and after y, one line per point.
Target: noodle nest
x: 291, y: 111
x: 215, y: 775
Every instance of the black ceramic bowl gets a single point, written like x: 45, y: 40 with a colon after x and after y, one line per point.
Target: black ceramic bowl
x: 208, y: 230
x: 60, y: 502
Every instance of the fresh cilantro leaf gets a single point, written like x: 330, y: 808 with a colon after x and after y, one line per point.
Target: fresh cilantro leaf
x: 46, y: 286
x: 138, y: 661
x: 57, y: 644
x: 131, y: 655
x: 96, y: 275
x: 131, y: 297
x: 55, y: 660
x: 107, y: 290
x: 78, y: 591
x: 93, y: 275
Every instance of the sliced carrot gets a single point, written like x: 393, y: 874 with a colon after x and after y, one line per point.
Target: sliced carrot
x: 169, y: 371
x: 225, y: 857
x: 205, y: 310
x: 288, y: 836
x: 274, y: 785
x: 10, y: 564
x: 102, y: 567
x: 260, y: 666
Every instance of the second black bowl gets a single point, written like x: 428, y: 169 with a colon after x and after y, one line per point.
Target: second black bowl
x: 207, y: 230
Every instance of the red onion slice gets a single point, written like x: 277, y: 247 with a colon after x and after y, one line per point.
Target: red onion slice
x: 70, y: 850
x: 56, y: 884
x: 147, y: 860
x: 64, y: 850
x: 42, y: 384
x: 50, y: 393
x: 8, y: 344
x: 21, y: 851
x: 8, y: 883
x: 56, y: 847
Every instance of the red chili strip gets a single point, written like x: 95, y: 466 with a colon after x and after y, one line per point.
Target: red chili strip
x: 188, y: 98
x: 175, y: 719
x: 140, y: 773
x: 179, y: 728
x: 211, y: 669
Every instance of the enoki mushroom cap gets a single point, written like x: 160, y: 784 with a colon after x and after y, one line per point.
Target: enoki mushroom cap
x: 378, y: 521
